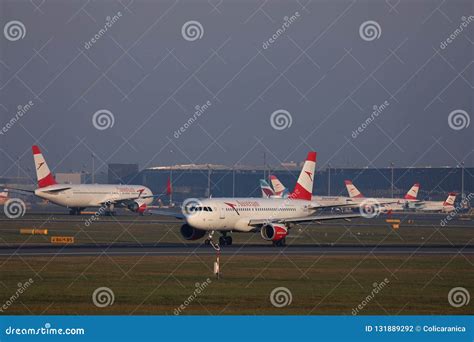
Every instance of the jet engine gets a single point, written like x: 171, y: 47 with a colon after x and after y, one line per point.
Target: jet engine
x: 137, y: 207
x: 191, y: 233
x: 272, y: 232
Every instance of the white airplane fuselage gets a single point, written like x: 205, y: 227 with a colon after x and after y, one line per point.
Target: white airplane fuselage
x: 92, y: 195
x: 226, y: 214
x: 433, y: 206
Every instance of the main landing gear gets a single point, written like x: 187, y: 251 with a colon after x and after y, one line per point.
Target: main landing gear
x: 225, y: 240
x: 75, y: 211
x: 279, y: 243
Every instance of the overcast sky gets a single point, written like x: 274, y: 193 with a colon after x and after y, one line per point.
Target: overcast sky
x: 319, y: 66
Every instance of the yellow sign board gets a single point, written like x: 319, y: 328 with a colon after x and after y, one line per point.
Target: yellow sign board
x: 62, y: 239
x: 32, y: 231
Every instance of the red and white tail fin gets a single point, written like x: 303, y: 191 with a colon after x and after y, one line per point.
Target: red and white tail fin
x: 450, y: 200
x: 304, y: 186
x: 352, y: 190
x: 44, y: 176
x: 412, y: 194
x: 278, y: 187
x: 267, y: 190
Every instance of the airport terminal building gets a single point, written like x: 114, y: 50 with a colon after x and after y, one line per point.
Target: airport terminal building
x: 220, y: 181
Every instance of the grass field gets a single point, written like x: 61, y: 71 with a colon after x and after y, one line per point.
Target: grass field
x: 159, y: 285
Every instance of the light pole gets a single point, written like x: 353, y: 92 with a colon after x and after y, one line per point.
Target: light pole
x: 329, y: 179
x: 233, y: 181
x: 171, y: 185
x: 462, y: 181
x: 93, y: 169
x: 208, y: 180
x: 264, y: 165
x: 392, y: 165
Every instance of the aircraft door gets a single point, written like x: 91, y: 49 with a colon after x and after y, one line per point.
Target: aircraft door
x: 222, y: 213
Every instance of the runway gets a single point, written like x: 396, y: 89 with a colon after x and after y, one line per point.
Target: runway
x: 171, y: 249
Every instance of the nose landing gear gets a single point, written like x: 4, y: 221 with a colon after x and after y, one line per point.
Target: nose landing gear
x: 209, y: 241
x: 224, y: 240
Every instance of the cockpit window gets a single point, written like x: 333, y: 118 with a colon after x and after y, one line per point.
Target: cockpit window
x: 193, y: 208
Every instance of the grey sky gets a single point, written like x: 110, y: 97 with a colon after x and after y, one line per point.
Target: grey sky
x: 319, y: 70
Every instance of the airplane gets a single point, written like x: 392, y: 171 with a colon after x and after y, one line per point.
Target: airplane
x: 435, y: 206
x: 272, y: 217
x: 386, y: 204
x: 3, y: 196
x: 77, y: 197
x: 327, y: 201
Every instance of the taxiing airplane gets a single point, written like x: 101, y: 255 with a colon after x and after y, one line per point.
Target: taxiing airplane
x: 397, y: 204
x: 435, y: 206
x: 77, y: 197
x: 272, y: 217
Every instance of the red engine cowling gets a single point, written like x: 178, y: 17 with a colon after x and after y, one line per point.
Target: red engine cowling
x: 272, y: 232
x: 191, y: 233
x: 137, y: 207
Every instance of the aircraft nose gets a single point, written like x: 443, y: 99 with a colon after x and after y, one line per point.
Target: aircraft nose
x: 194, y: 220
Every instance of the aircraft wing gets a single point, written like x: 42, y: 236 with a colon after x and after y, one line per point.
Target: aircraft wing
x: 174, y: 214
x: 52, y: 191
x: 334, y: 206
x: 304, y: 219
x: 128, y: 199
x: 24, y: 190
